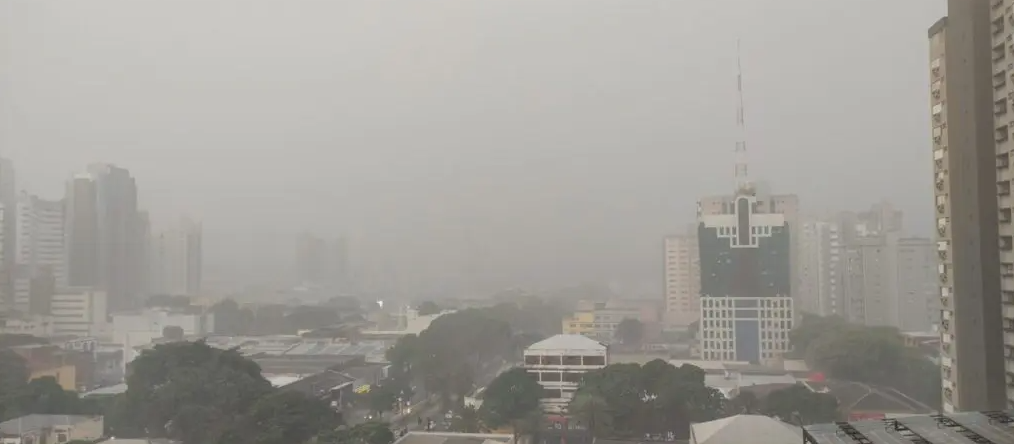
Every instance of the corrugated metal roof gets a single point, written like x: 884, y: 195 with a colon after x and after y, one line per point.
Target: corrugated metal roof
x: 740, y: 429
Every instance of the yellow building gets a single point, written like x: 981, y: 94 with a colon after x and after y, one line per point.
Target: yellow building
x: 580, y: 323
x: 65, y: 375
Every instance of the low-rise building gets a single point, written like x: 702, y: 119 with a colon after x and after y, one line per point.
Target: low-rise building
x: 598, y: 320
x: 42, y: 429
x: 558, y: 364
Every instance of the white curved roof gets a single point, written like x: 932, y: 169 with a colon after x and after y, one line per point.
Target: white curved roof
x: 740, y: 429
x: 567, y: 342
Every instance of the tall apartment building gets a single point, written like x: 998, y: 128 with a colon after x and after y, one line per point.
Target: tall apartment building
x: 890, y: 280
x: 40, y: 236
x: 176, y: 260
x: 970, y: 65
x: 311, y: 259
x: 746, y: 280
x: 682, y: 279
x: 821, y: 268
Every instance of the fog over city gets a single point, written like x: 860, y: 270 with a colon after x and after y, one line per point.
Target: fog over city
x: 473, y: 142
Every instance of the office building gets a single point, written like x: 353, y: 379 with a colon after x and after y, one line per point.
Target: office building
x: 766, y: 203
x: 598, y: 320
x: 820, y: 268
x: 79, y: 312
x: 969, y: 68
x: 176, y: 260
x: 746, y: 280
x: 40, y: 236
x: 682, y: 279
x: 559, y: 362
x: 105, y: 235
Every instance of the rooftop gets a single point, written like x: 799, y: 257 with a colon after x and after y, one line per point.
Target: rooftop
x: 294, y: 345
x: 31, y: 423
x: 955, y: 428
x: 453, y: 438
x: 567, y: 342
x: 753, y: 429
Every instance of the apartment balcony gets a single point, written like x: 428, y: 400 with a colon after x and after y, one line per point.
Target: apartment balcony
x: 1005, y: 216
x: 1006, y: 243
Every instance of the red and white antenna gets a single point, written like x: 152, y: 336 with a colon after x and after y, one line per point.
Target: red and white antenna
x: 742, y: 174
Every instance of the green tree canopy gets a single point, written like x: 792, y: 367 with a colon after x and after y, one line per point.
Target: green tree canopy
x: 630, y: 331
x: 509, y: 398
x: 428, y: 308
x: 873, y: 355
x: 799, y: 403
x: 654, y: 398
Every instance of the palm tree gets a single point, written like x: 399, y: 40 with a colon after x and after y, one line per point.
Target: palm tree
x: 592, y: 411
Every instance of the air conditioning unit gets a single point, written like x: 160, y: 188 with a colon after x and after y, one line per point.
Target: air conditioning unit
x: 936, y: 94
x: 942, y: 231
x: 943, y: 277
x: 941, y: 209
x: 937, y: 139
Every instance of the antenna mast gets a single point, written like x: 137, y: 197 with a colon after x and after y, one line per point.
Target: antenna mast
x: 742, y: 176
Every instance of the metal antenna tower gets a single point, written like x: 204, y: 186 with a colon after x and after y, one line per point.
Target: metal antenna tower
x: 742, y: 175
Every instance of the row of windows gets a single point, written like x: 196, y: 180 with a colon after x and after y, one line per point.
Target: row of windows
x: 720, y: 302
x: 727, y: 334
x: 558, y: 376
x: 564, y: 360
x: 750, y: 313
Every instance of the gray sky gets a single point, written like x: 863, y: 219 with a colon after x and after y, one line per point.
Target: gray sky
x: 551, y: 140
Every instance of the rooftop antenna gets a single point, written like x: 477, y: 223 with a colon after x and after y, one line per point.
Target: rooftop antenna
x: 742, y: 175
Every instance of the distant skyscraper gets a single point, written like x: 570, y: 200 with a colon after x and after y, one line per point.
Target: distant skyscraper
x: 105, y: 235
x: 820, y: 268
x: 176, y: 260
x: 311, y: 259
x: 8, y: 240
x: 40, y: 257
x: 970, y: 86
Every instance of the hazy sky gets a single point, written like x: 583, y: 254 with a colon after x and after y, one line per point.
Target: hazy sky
x: 524, y: 140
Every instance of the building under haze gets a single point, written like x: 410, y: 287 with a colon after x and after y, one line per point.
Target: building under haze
x: 176, y: 260
x: 820, y: 268
x: 746, y: 300
x: 105, y: 235
x: 8, y: 231
x: 970, y: 64
x: 682, y: 279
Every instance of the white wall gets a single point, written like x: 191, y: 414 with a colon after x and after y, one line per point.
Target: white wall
x: 133, y: 330
x: 80, y: 313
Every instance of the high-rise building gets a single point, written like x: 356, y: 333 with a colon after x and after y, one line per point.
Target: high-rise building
x: 682, y: 279
x: 890, y: 280
x: 820, y: 268
x: 106, y: 235
x: 9, y: 231
x: 969, y: 68
x: 176, y: 260
x: 40, y: 264
x: 746, y: 281
x: 311, y: 259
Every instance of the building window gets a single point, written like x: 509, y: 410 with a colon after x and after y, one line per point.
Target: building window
x: 549, y: 376
x: 551, y: 360
x: 595, y: 360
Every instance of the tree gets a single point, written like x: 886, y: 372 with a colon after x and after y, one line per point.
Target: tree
x: 173, y: 332
x: 509, y: 398
x: 654, y: 398
x: 428, y: 308
x: 382, y: 399
x: 592, y: 411
x: 230, y: 319
x: 467, y: 421
x: 799, y: 402
x: 372, y: 432
x: 872, y: 355
x: 630, y: 331
x: 190, y: 391
x: 746, y: 402
x: 42, y: 396
x: 283, y: 417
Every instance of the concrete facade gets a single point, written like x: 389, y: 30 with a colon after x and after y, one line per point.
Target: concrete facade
x: 969, y: 152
